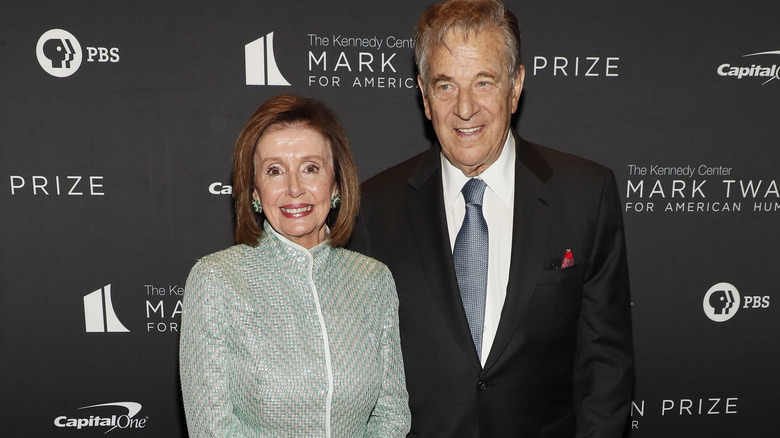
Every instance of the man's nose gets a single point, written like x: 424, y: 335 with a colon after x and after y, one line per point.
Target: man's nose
x: 466, y: 106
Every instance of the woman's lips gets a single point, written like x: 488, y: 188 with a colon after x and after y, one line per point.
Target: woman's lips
x: 296, y: 210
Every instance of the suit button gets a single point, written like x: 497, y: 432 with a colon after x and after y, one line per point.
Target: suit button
x: 482, y: 386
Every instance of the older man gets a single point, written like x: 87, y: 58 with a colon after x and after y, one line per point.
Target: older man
x: 509, y: 257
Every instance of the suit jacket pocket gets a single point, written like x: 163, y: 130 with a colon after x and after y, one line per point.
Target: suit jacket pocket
x: 555, y: 276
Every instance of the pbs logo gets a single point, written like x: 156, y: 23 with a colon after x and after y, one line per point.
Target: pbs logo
x: 59, y: 53
x: 722, y: 301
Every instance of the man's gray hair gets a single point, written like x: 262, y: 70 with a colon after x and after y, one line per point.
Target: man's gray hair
x: 466, y: 16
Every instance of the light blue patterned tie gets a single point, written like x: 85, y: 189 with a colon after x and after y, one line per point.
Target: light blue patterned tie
x: 470, y: 257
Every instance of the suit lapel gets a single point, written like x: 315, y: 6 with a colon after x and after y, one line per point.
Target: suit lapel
x: 425, y: 207
x: 533, y: 210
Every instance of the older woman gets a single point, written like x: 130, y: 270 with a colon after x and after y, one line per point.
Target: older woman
x: 287, y: 334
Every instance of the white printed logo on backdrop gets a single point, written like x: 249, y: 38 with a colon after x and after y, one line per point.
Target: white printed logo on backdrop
x: 261, y: 68
x: 721, y: 302
x: 59, y: 53
x: 111, y: 420
x: 99, y: 315
x: 761, y: 67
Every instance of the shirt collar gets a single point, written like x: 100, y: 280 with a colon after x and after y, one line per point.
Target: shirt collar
x: 499, y: 177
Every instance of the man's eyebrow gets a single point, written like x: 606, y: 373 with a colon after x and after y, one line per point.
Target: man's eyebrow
x: 483, y: 74
x: 441, y: 78
x: 489, y: 74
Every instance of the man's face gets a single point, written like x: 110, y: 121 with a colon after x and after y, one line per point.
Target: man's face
x: 470, y: 98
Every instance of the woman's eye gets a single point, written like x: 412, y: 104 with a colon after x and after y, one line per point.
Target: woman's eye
x: 273, y: 171
x: 311, y: 168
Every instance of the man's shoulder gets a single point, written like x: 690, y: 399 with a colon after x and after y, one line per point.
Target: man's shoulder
x: 396, y: 176
x: 551, y: 162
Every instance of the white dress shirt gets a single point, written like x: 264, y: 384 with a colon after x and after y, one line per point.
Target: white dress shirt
x: 497, y: 207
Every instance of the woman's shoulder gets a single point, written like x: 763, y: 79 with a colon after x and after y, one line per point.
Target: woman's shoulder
x: 369, y: 272
x: 223, y: 259
x: 228, y: 253
x: 352, y: 258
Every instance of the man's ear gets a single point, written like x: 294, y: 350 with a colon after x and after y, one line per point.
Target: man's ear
x: 421, y: 86
x: 517, y: 89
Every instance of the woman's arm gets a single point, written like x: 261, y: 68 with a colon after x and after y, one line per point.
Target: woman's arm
x: 391, y: 416
x: 203, y: 357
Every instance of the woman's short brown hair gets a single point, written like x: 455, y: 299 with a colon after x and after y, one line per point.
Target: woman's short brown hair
x: 291, y: 110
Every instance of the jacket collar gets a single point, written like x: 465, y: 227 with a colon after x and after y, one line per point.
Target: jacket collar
x: 533, y: 207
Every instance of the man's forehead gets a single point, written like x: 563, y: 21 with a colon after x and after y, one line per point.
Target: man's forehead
x: 457, y: 35
x: 481, y: 49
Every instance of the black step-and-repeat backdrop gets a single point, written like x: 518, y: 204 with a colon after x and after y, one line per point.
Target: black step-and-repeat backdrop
x: 117, y: 121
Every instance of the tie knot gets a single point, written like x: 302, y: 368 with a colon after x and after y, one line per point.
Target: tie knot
x: 473, y: 191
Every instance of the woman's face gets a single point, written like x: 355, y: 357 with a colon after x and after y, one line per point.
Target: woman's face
x: 294, y: 181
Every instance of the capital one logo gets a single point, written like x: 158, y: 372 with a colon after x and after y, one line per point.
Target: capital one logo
x: 261, y: 68
x: 114, y: 421
x: 99, y: 315
x: 59, y: 53
x: 721, y: 302
x: 765, y: 72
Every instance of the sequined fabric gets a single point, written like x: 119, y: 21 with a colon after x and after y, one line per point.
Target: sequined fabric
x: 280, y: 341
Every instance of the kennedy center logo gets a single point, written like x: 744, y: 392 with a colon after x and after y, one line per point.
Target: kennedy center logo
x: 261, y: 68
x: 99, y: 315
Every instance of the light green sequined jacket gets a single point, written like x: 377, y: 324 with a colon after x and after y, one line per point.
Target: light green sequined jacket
x: 280, y: 341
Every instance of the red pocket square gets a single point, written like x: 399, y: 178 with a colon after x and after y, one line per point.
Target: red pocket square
x: 568, y: 259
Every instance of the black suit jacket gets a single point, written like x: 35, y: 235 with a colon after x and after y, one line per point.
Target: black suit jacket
x: 561, y: 364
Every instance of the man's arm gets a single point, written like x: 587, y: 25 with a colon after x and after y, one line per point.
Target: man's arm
x: 604, y: 373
